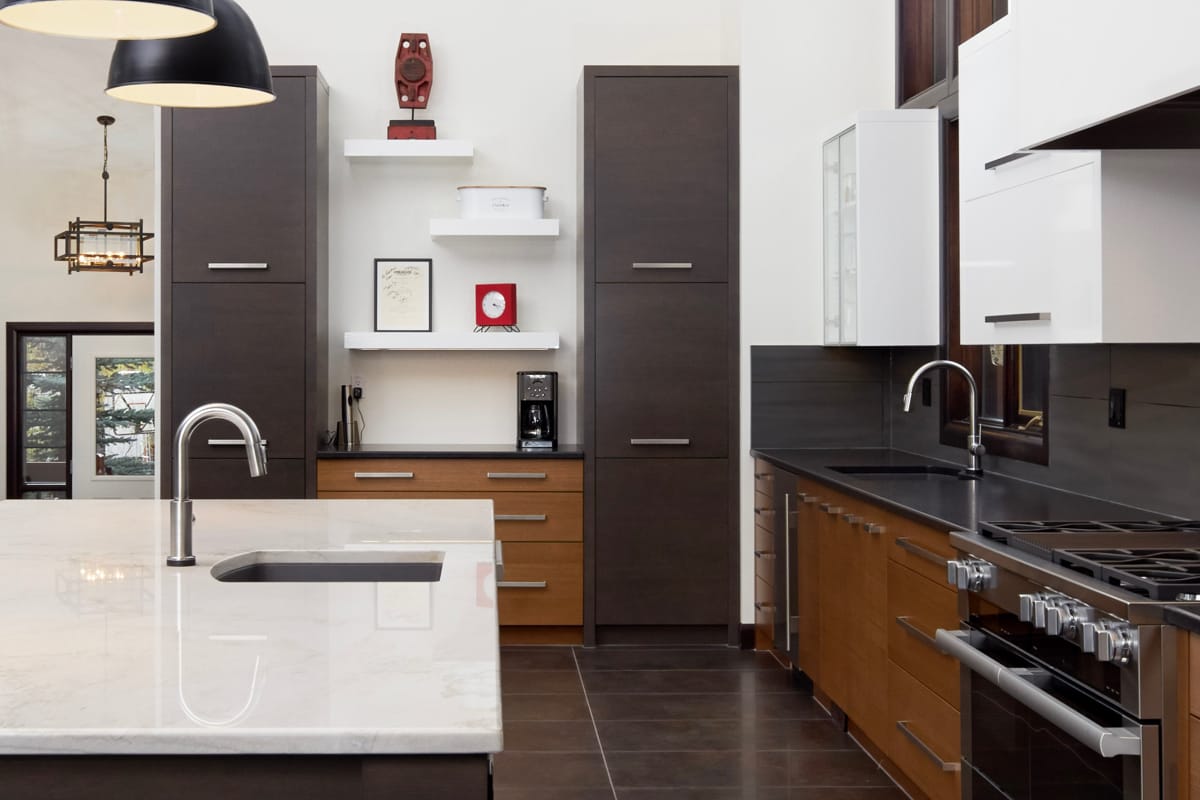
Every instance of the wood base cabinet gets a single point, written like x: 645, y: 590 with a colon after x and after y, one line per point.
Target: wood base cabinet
x: 538, y: 506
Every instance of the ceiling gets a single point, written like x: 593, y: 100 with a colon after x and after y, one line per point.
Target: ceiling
x: 52, y: 92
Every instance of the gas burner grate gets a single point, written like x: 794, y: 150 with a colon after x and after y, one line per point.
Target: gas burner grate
x: 1003, y: 530
x: 1156, y: 573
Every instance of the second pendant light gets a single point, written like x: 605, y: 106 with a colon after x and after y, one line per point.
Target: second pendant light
x: 226, y: 66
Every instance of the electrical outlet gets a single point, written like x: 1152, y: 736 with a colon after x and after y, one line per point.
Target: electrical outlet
x: 1116, y: 408
x: 356, y: 381
x: 356, y: 393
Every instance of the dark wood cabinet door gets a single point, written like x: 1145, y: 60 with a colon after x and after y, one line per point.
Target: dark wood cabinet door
x: 662, y: 370
x: 238, y: 191
x: 662, y: 542
x: 661, y: 185
x: 240, y: 344
x: 229, y: 479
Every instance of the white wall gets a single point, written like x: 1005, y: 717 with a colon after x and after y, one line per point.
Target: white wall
x: 807, y: 67
x: 50, y: 161
x: 506, y: 76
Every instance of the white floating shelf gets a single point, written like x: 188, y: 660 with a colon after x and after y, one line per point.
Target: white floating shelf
x: 493, y: 227
x: 409, y: 148
x: 454, y: 340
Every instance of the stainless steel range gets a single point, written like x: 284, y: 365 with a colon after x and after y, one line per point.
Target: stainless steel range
x: 1067, y: 669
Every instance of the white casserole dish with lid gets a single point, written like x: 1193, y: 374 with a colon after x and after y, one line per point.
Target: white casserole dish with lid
x: 501, y: 202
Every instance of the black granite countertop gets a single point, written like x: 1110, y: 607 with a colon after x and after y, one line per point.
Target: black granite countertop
x: 448, y: 451
x: 1183, y: 617
x: 944, y: 501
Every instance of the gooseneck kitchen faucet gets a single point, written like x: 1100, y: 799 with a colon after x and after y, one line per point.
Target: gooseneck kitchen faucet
x: 181, y: 506
x: 975, y: 447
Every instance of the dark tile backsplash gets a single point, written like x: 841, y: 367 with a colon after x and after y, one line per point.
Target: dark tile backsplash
x: 850, y: 397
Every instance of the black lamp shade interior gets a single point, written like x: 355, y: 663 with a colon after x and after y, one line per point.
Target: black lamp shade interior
x: 110, y: 19
x: 226, y: 66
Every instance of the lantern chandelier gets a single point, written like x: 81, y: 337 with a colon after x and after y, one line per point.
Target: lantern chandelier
x: 104, y: 246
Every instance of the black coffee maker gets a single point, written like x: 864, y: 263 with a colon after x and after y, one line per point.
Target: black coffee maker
x: 537, y: 410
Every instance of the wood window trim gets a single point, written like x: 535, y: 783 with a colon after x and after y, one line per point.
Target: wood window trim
x: 13, y: 334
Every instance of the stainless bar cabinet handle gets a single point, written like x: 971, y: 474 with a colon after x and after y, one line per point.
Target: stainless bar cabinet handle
x: 765, y: 607
x: 764, y: 511
x: 875, y: 528
x: 382, y: 475
x: 829, y: 508
x: 1108, y: 742
x: 516, y: 476
x: 764, y: 476
x: 520, y: 518
x: 520, y: 584
x: 660, y: 442
x: 787, y: 567
x: 238, y: 265
x: 809, y: 499
x: 1031, y: 316
x: 662, y: 265
x: 763, y: 554
x: 230, y: 442
x: 1008, y: 159
x: 853, y: 519
x: 946, y: 766
x: 921, y: 552
x: 918, y: 634
x: 499, y: 562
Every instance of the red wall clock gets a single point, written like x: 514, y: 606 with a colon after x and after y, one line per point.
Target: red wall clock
x: 495, y: 304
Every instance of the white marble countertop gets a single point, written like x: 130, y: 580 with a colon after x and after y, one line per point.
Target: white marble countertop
x: 108, y: 650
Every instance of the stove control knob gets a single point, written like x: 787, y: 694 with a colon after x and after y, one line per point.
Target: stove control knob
x: 1087, y: 636
x: 1072, y: 617
x: 1054, y: 617
x: 956, y: 573
x: 1116, y: 643
x: 1026, y: 610
x: 1039, y: 612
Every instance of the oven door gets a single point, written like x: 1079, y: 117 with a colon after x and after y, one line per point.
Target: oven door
x: 1031, y: 734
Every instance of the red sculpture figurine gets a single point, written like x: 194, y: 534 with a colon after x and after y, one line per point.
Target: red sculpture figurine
x: 414, y: 80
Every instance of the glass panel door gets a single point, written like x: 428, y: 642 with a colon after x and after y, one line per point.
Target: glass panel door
x: 848, y: 214
x: 44, y: 450
x: 113, y: 417
x: 832, y: 237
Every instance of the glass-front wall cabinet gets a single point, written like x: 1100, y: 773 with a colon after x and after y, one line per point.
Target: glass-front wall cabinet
x: 841, y: 238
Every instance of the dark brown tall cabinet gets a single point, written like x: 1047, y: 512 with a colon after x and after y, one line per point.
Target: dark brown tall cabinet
x: 245, y: 281
x: 659, y: 351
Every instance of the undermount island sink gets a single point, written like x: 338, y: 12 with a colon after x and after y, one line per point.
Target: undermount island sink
x: 906, y: 471
x: 330, y: 566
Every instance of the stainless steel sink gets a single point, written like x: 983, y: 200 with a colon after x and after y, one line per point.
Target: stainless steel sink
x: 330, y: 566
x: 905, y: 471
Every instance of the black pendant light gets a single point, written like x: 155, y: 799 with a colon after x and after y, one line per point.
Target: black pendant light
x: 110, y: 19
x: 102, y: 245
x: 226, y: 66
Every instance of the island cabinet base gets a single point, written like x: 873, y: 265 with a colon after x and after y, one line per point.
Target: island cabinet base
x: 249, y: 777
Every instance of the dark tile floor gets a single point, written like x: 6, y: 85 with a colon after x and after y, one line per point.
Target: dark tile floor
x: 698, y: 723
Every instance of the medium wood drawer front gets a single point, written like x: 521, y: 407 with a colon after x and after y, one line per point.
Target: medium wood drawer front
x: 449, y: 475
x: 764, y: 566
x: 916, y: 609
x: 925, y: 736
x: 764, y: 482
x: 1194, y: 677
x: 520, y: 516
x: 764, y: 598
x: 764, y: 541
x: 560, y: 601
x: 922, y: 549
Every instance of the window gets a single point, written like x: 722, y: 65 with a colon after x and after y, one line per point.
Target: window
x: 124, y: 416
x: 44, y: 417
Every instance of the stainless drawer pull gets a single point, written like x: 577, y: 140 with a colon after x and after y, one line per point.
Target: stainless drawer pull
x: 853, y: 519
x: 520, y: 518
x: 662, y: 265
x: 499, y: 547
x: 918, y: 634
x: 831, y: 509
x: 1008, y: 159
x: 520, y: 584
x: 516, y: 476
x: 763, y: 554
x: 946, y: 766
x: 237, y: 265
x: 875, y: 528
x: 1033, y: 316
x: 230, y: 442
x: 382, y: 475
x: 1108, y: 742
x: 921, y: 552
x: 664, y: 442
x: 764, y: 476
x: 809, y: 499
x: 770, y: 607
x: 762, y: 511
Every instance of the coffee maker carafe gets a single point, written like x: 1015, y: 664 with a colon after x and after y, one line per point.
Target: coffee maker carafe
x: 537, y: 410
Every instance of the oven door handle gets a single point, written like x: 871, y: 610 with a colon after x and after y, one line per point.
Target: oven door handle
x: 1108, y: 742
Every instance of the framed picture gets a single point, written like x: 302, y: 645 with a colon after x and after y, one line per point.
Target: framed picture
x: 403, y: 294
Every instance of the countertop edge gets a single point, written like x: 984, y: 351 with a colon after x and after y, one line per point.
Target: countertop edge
x: 1182, y: 618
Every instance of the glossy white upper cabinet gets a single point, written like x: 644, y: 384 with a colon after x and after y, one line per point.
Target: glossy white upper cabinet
x: 882, y: 230
x: 1082, y: 63
x: 1067, y: 246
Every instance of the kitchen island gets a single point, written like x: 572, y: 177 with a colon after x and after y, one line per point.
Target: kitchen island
x: 121, y: 675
